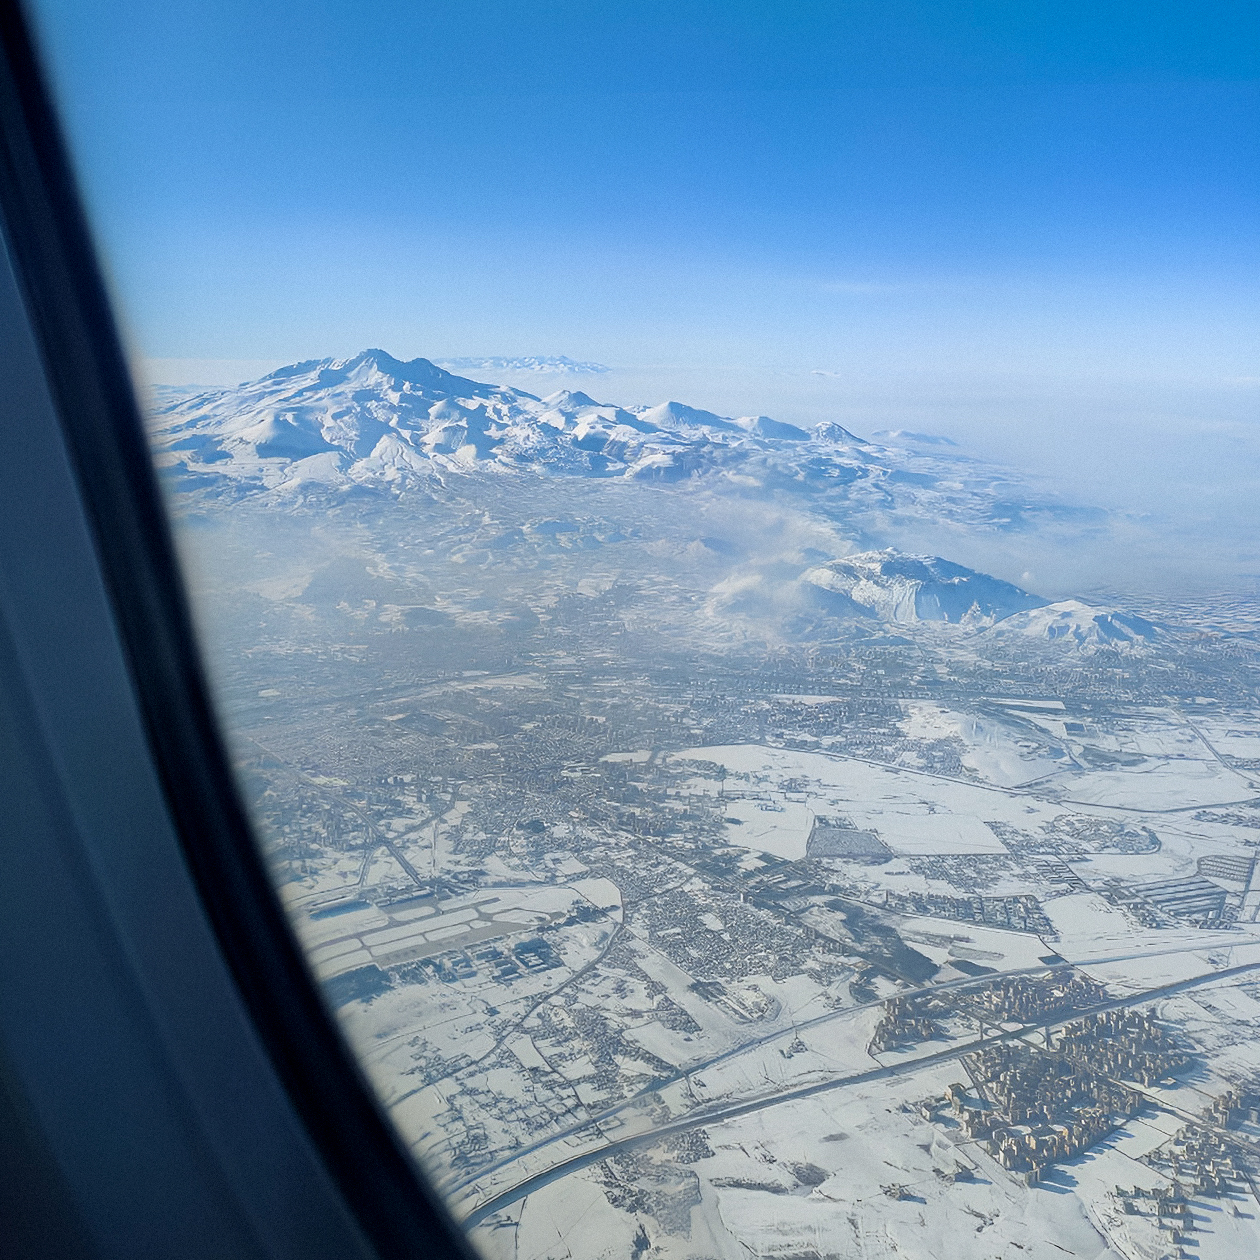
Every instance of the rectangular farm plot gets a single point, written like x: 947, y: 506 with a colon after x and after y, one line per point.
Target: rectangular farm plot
x: 922, y: 833
x: 834, y: 836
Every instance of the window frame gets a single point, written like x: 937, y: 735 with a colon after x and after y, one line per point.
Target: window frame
x: 82, y: 371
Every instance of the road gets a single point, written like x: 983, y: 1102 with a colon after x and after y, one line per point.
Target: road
x: 1022, y: 789
x: 378, y: 836
x: 731, y: 1111
x: 794, y: 1029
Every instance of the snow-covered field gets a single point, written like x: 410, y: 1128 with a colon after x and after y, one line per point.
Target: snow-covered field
x: 611, y: 667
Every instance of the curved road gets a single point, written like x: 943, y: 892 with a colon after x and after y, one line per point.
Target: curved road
x: 793, y: 1030
x: 733, y: 1110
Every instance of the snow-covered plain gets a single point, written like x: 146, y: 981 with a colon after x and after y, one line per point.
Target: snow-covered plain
x: 538, y: 701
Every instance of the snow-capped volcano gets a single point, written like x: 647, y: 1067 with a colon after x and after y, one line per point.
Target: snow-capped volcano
x: 903, y: 588
x: 345, y: 408
x: 371, y: 427
x: 542, y: 364
x: 374, y: 425
x: 374, y: 419
x: 1078, y: 624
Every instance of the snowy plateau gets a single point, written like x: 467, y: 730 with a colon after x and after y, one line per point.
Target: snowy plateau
x: 702, y: 859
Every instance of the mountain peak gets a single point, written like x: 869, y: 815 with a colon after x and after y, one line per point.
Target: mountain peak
x: 570, y: 398
x: 422, y: 372
x: 382, y: 360
x: 434, y: 422
x: 830, y: 431
x: 1078, y: 624
x: 671, y: 415
x: 902, y: 587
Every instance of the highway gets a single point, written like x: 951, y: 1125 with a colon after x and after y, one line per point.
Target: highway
x: 379, y: 838
x: 793, y: 1030
x: 731, y: 1111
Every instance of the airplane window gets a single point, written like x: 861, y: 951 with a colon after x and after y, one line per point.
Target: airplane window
x: 724, y: 540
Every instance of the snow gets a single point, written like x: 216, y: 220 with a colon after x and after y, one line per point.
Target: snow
x: 994, y: 947
x: 781, y: 830
x: 995, y: 752
x: 372, y: 425
x: 1159, y: 786
x: 912, y: 812
x: 909, y: 588
x: 1074, y: 622
x: 386, y: 425
x: 924, y: 831
x: 601, y: 893
x: 1232, y: 741
x: 849, y: 1216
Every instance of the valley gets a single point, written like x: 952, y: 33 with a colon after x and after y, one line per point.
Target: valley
x: 692, y: 866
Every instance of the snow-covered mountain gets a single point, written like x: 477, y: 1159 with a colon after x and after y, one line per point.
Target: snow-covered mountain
x: 373, y: 419
x: 1077, y: 624
x: 374, y: 425
x: 549, y: 364
x: 903, y: 589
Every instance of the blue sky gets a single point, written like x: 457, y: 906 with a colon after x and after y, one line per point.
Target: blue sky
x: 1000, y: 220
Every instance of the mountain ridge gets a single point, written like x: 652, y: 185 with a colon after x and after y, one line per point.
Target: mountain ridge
x: 902, y: 587
x: 372, y: 425
x: 371, y: 419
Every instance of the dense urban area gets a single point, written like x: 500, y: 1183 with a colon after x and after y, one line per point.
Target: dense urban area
x: 675, y: 909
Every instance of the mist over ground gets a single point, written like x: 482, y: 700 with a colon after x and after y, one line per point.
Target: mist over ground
x: 1175, y: 463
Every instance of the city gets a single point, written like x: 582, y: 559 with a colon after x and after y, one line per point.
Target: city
x: 669, y: 923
